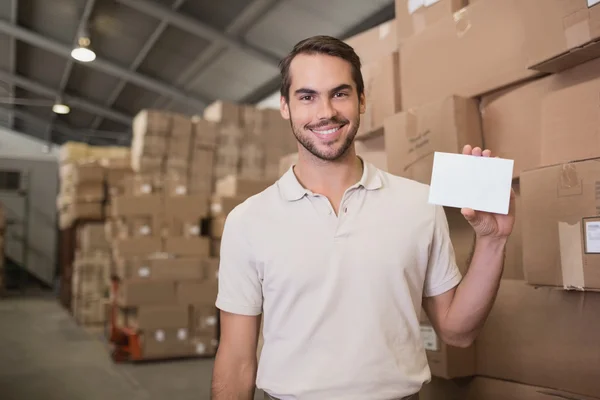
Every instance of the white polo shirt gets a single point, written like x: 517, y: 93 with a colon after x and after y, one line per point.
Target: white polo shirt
x: 341, y: 295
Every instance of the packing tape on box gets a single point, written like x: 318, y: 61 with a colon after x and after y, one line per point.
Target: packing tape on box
x: 462, y: 22
x: 577, y: 28
x: 569, y: 236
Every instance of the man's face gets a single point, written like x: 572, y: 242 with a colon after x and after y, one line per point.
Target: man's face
x: 324, y: 107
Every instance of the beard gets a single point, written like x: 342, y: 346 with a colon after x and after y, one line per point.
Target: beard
x: 331, y: 153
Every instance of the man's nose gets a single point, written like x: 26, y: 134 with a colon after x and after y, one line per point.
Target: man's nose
x: 326, y: 109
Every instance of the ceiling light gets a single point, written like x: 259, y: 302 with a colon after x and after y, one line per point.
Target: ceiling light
x: 83, y: 52
x: 60, y: 108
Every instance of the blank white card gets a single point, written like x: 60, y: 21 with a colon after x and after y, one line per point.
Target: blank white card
x: 464, y: 181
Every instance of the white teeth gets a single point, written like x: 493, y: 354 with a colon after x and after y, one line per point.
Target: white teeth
x: 327, y: 132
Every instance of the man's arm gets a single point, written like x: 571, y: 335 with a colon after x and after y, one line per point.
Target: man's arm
x: 459, y: 314
x: 234, y: 373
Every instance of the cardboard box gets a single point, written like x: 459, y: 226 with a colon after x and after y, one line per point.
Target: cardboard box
x: 132, y: 227
x: 484, y: 47
x: 204, y: 321
x: 188, y: 228
x: 225, y: 113
x: 151, y: 122
x: 84, y: 172
x: 188, y: 246
x: 166, y: 343
x: 138, y: 246
x: 205, y: 345
x: 372, y: 150
x: 211, y: 268
x: 157, y: 317
x: 145, y: 163
x: 92, y: 237
x: 204, y: 134
x: 571, y: 34
x: 513, y: 260
x: 77, y: 211
x: 134, y: 293
x: 143, y: 184
x: 412, y: 137
x: 375, y: 43
x: 217, y: 226
x: 512, y: 122
x: 181, y: 126
x: 561, y: 224
x: 187, y: 207
x: 180, y: 147
x: 570, y: 116
x: 197, y: 293
x: 414, y: 16
x: 490, y: 389
x: 133, y: 206
x: 233, y: 185
x: 542, y: 337
x: 382, y: 92
x: 159, y: 269
x: 215, y: 247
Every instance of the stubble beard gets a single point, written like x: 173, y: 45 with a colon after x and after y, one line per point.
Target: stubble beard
x: 303, y: 135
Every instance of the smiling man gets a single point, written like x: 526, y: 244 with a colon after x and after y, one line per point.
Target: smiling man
x: 339, y: 257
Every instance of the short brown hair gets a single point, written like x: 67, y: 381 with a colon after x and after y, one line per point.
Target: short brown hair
x: 321, y: 45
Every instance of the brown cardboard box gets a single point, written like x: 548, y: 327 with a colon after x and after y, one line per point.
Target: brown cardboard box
x: 159, y: 269
x: 81, y: 193
x: 484, y: 47
x: 232, y: 185
x: 205, y: 345
x: 166, y: 343
x: 143, y: 184
x: 85, y: 172
x: 372, y: 150
x: 134, y: 293
x: 217, y: 226
x: 490, y: 389
x: 204, y: 134
x: 412, y: 137
x: 132, y: 227
x: 215, y: 247
x: 571, y: 34
x: 542, y: 337
x: 414, y: 16
x: 75, y: 211
x: 211, y: 268
x: 188, y: 227
x: 180, y: 147
x: 204, y: 320
x: 375, y: 43
x: 181, y: 126
x: 197, y: 293
x: 187, y: 207
x: 152, y: 122
x: 561, y: 225
x: 132, y: 206
x: 138, y: 246
x: 513, y: 260
x: 188, y: 246
x: 145, y: 163
x: 512, y: 122
x: 92, y: 237
x: 570, y: 116
x: 157, y: 317
x: 382, y: 92
x: 225, y: 113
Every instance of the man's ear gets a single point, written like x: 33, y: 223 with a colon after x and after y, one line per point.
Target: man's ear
x: 363, y: 104
x: 284, y: 108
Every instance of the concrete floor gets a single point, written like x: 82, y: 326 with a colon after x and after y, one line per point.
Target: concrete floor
x: 45, y: 355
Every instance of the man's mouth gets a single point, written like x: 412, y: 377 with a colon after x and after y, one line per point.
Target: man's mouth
x: 328, y: 130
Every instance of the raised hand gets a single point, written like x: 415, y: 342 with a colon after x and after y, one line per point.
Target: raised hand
x: 485, y: 224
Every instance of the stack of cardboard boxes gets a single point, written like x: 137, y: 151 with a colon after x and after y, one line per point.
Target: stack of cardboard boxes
x: 167, y: 281
x: 522, y: 79
x: 91, y: 275
x: 250, y: 141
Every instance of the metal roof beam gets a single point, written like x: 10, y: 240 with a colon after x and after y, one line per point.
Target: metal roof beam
x: 74, y: 101
x: 200, y: 29
x: 105, y: 66
x: 139, y: 59
x: 246, y: 19
x: 64, y: 80
x: 12, y: 56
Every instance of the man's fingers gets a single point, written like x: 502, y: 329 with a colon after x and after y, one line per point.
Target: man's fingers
x: 477, y: 151
x: 487, y: 153
x: 467, y: 150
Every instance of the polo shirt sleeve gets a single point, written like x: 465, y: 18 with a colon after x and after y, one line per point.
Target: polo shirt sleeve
x: 442, y: 272
x: 240, y: 288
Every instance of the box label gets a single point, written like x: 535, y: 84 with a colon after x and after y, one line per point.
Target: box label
x: 429, y: 338
x: 592, y: 235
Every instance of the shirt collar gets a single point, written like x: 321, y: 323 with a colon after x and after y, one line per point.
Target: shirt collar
x: 292, y: 190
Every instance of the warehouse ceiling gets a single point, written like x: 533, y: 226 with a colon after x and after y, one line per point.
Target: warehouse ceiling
x: 178, y: 55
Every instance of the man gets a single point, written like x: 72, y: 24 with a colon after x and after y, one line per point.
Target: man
x: 340, y: 257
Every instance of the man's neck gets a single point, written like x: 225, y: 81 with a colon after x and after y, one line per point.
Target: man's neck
x: 329, y: 178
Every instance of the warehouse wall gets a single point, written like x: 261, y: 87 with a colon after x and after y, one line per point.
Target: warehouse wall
x: 18, y: 152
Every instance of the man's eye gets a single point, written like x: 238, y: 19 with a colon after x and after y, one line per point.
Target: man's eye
x: 306, y: 98
x: 341, y: 94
